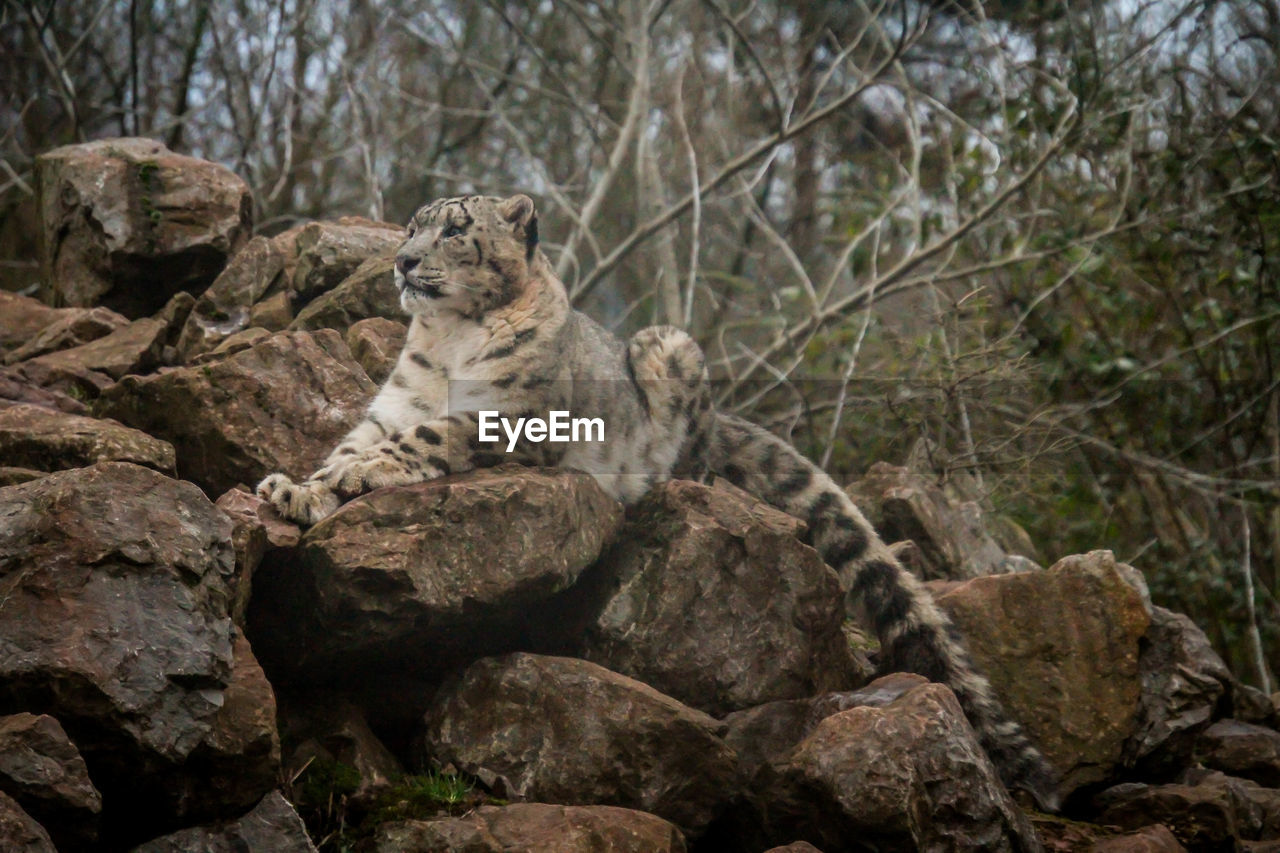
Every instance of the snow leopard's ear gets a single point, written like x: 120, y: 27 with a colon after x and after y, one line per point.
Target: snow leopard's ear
x: 518, y: 210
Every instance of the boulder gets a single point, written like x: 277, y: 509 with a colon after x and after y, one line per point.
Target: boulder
x: 422, y: 577
x: 370, y: 291
x: 60, y: 380
x: 281, y: 405
x: 272, y: 827
x: 1206, y: 812
x: 70, y: 328
x: 563, y: 730
x: 1251, y: 705
x: 1241, y: 749
x: 709, y: 596
x: 534, y: 826
x: 1061, y: 650
x: 1182, y: 681
x: 127, y: 224
x: 44, y: 440
x: 22, y: 318
x: 44, y: 773
x: 329, y: 252
x: 17, y: 387
x: 116, y: 622
x: 262, y: 268
x: 951, y: 536
x: 19, y: 832
x: 376, y: 343
x: 256, y: 529
x: 910, y: 775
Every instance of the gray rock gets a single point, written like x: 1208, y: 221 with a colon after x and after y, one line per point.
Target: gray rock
x: 272, y: 827
x: 19, y: 832
x: 43, y: 771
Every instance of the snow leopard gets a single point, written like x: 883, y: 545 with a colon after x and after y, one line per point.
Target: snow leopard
x: 492, y: 330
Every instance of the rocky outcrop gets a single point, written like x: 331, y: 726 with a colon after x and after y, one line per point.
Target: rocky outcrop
x: 561, y: 730
x: 431, y: 574
x: 329, y: 252
x: 534, y: 826
x: 127, y: 224
x: 710, y: 597
x: 272, y: 826
x: 282, y: 404
x: 370, y: 291
x: 39, y: 439
x: 1061, y: 649
x: 1241, y: 749
x: 41, y: 769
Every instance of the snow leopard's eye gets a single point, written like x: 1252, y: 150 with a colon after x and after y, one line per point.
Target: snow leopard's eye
x: 450, y: 230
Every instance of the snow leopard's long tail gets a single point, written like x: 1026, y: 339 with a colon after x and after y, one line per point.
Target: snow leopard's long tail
x: 914, y: 634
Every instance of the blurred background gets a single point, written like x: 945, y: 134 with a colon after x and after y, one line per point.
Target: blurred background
x: 1030, y: 247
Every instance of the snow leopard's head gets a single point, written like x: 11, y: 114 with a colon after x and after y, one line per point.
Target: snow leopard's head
x: 468, y: 255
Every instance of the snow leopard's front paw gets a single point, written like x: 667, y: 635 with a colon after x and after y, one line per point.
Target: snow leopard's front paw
x: 304, y: 503
x: 361, y: 474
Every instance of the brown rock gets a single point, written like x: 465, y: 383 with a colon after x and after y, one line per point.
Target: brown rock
x: 563, y: 730
x: 534, y: 827
x: 1207, y: 811
x: 274, y: 312
x: 951, y: 536
x: 19, y: 832
x: 1061, y: 649
x: 1149, y: 839
x: 910, y: 775
x: 281, y: 405
x: 329, y: 252
x: 60, y: 381
x: 115, y: 621
x: 72, y: 328
x: 370, y: 291
x: 329, y: 730
x: 257, y: 528
x: 257, y: 271
x: 42, y: 770
x: 272, y: 827
x: 376, y: 343
x: 1251, y: 705
x: 795, y: 847
x: 709, y: 596
x: 1182, y: 681
x: 43, y: 440
x: 22, y: 318
x: 1241, y: 749
x: 233, y: 344
x: 13, y: 476
x: 128, y: 223
x: 429, y: 575
x: 16, y: 387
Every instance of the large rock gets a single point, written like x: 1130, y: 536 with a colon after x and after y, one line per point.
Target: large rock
x: 376, y: 344
x: 329, y: 252
x: 1061, y: 649
x: 23, y: 318
x: 1208, y: 811
x: 1182, y: 680
x: 272, y: 827
x: 15, y: 387
x: 44, y: 440
x: 952, y: 538
x: 563, y: 730
x: 43, y: 771
x: 428, y: 575
x: 257, y: 529
x: 281, y: 405
x: 1241, y: 749
x: 128, y: 223
x: 710, y: 597
x: 19, y: 831
x: 115, y: 621
x: 71, y: 328
x: 370, y: 291
x: 263, y: 268
x: 907, y: 776
x: 534, y: 827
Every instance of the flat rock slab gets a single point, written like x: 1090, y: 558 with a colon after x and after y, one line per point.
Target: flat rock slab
x: 1208, y: 812
x: 43, y: 771
x: 281, y: 405
x: 128, y: 223
x: 1241, y: 749
x: 907, y: 776
x: 710, y: 597
x: 71, y: 327
x: 429, y: 575
x: 23, y: 318
x: 41, y: 439
x: 534, y: 827
x: 552, y: 729
x: 1061, y: 649
x: 272, y: 827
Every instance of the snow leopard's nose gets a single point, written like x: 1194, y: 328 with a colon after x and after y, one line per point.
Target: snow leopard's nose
x: 405, y: 264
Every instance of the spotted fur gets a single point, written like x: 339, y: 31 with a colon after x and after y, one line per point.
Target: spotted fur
x: 492, y: 328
